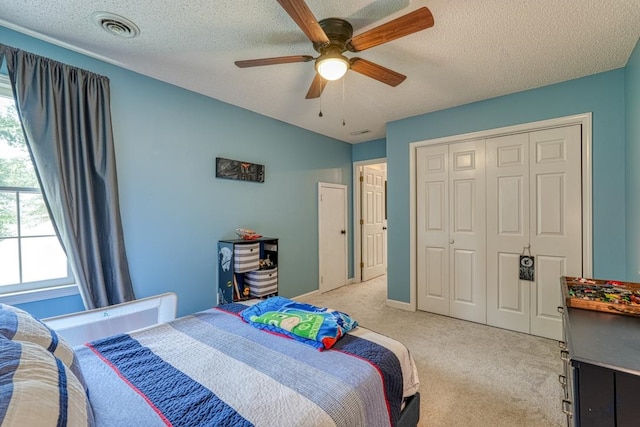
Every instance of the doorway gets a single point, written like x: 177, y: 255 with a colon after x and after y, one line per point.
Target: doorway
x: 332, y: 236
x: 370, y: 219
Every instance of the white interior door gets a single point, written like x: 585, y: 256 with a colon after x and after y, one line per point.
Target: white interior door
x: 374, y: 235
x: 332, y: 236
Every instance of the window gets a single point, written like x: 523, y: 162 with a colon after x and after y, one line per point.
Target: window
x: 31, y: 256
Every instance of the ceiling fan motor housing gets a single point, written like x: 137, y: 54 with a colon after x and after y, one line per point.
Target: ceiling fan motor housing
x: 339, y: 33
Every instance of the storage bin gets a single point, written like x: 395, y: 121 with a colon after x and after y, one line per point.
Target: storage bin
x: 246, y: 257
x: 262, y: 282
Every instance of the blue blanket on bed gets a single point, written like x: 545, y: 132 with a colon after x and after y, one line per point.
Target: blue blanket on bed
x: 316, y: 326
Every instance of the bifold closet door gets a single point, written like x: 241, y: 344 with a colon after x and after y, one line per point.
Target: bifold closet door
x: 432, y: 252
x: 556, y: 223
x: 534, y: 206
x: 508, y: 298
x: 451, y: 230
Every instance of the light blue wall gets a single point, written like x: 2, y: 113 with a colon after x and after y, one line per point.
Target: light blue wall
x: 173, y: 208
x: 632, y: 92
x: 376, y: 149
x: 602, y: 94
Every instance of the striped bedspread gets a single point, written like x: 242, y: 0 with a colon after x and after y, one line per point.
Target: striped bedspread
x: 214, y: 369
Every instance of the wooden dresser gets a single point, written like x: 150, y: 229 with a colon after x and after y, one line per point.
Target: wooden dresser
x: 601, y: 374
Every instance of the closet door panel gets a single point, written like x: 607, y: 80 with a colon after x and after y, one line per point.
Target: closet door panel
x: 464, y: 205
x: 550, y: 190
x: 549, y: 269
x: 468, y: 230
x: 464, y: 281
x: 435, y: 198
x: 508, y: 298
x: 556, y: 221
x: 510, y: 295
x: 510, y: 209
x: 463, y: 259
x: 436, y: 283
x: 432, y: 187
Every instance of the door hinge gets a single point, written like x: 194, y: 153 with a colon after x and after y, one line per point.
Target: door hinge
x: 362, y: 265
x: 321, y: 279
x: 361, y: 221
x: 361, y: 178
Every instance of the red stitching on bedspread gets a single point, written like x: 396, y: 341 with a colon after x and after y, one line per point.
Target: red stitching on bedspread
x: 134, y: 388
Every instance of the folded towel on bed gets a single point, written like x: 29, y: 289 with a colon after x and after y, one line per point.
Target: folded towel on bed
x: 316, y: 326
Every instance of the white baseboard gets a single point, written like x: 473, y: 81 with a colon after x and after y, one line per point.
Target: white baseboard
x: 400, y: 305
x: 312, y: 293
x: 308, y: 294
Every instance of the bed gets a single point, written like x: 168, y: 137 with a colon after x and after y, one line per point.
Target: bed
x: 209, y: 368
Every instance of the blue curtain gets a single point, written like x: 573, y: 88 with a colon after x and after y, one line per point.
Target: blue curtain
x: 66, y: 118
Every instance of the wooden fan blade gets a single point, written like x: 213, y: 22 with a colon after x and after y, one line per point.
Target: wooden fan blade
x: 410, y: 23
x: 274, y: 61
x: 302, y: 15
x: 377, y: 72
x: 316, y: 88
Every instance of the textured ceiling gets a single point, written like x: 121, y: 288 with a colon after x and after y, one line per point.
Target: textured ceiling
x: 476, y: 50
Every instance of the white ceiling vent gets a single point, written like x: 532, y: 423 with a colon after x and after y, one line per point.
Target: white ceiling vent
x: 115, y: 24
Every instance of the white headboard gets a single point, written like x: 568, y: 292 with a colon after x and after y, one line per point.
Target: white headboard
x: 79, y: 328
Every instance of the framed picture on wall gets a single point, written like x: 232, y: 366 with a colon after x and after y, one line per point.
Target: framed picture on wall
x: 239, y: 170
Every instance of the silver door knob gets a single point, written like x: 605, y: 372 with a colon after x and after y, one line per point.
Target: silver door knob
x: 451, y: 241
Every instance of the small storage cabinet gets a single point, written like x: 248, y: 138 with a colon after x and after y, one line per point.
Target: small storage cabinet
x: 247, y: 269
x: 601, y: 374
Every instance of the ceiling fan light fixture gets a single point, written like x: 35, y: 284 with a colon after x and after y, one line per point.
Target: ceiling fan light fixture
x: 332, y: 66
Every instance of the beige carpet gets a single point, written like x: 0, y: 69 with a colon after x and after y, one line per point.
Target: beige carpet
x: 470, y: 374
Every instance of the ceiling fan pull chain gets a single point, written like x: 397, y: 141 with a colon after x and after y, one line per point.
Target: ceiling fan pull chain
x: 320, y: 113
x: 343, y: 121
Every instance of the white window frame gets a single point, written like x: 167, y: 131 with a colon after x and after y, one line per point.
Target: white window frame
x: 38, y: 290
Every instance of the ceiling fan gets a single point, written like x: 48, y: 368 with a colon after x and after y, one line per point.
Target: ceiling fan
x: 332, y: 37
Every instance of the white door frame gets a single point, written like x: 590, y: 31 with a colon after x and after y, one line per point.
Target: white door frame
x: 343, y: 187
x: 357, y: 232
x: 587, y: 212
